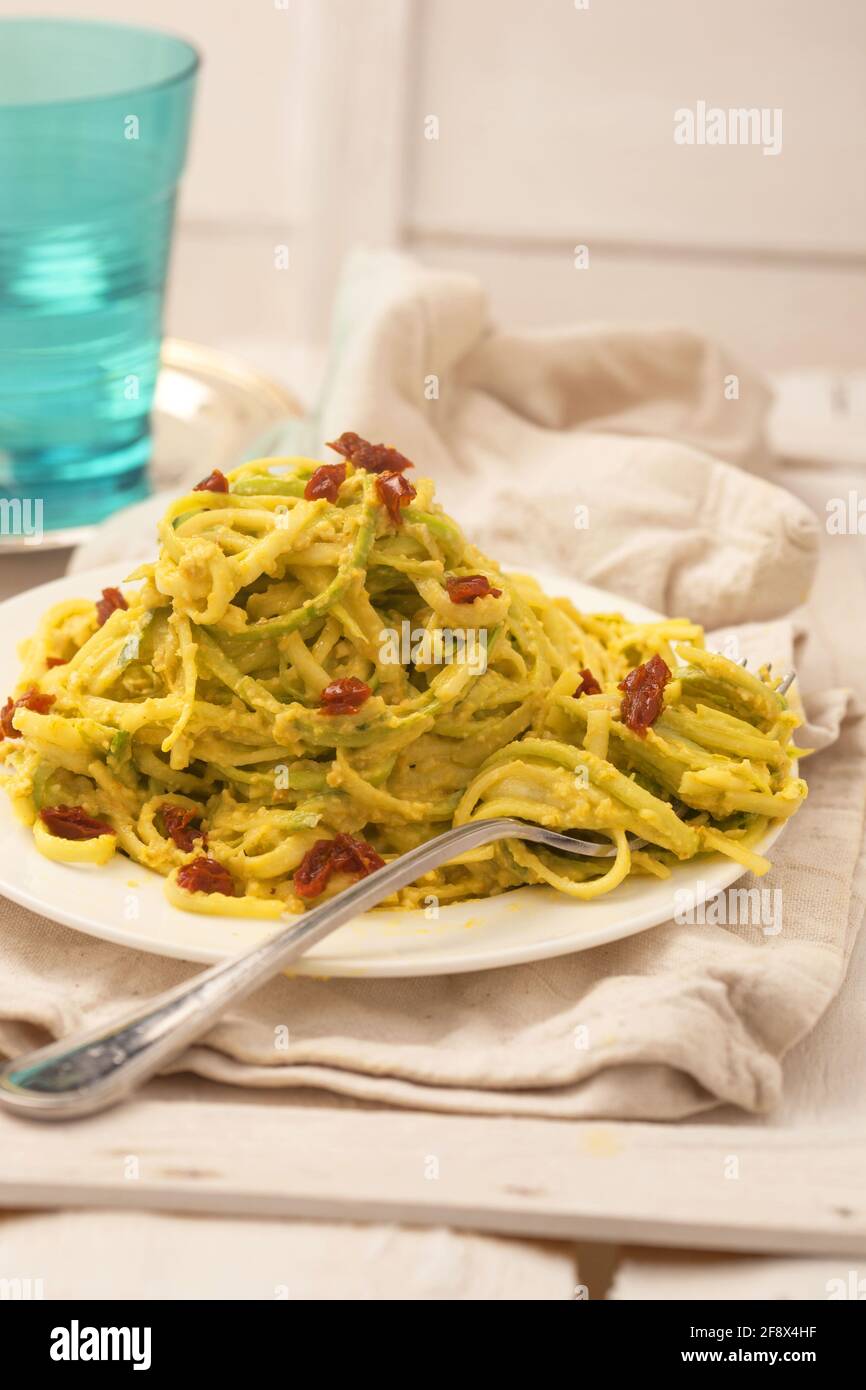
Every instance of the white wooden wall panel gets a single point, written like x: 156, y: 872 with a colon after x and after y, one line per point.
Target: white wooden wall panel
x: 773, y: 315
x: 555, y: 129
x: 559, y: 121
x: 348, y: 139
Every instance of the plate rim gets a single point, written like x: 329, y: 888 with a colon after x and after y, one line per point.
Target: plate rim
x: 249, y: 931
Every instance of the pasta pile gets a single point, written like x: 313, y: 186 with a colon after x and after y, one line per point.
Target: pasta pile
x: 319, y: 672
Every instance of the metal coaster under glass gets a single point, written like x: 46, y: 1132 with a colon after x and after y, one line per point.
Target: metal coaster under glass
x: 208, y: 405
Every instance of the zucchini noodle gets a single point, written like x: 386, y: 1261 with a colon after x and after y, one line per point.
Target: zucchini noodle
x: 202, y: 697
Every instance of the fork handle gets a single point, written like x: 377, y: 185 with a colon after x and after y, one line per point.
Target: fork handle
x: 97, y: 1068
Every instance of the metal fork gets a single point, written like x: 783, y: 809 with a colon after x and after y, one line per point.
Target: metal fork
x: 97, y: 1068
x: 784, y: 684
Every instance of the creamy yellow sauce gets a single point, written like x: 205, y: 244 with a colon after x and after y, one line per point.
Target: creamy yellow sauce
x: 203, y: 693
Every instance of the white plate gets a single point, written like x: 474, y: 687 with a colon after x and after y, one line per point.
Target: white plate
x: 125, y: 903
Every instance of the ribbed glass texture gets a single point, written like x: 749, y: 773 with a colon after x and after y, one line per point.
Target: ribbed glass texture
x: 94, y: 120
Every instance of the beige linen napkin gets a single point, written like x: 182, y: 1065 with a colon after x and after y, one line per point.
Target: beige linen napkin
x: 604, y: 453
x: 518, y: 432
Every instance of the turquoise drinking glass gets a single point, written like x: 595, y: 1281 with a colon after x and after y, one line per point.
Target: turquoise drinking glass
x: 94, y: 120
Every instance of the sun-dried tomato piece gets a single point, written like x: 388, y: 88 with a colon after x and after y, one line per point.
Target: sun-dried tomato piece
x: 35, y: 700
x: 73, y: 823
x: 312, y: 874
x: 373, y: 458
x: 55, y: 661
x: 7, y: 728
x: 111, y: 600
x: 183, y: 826
x: 588, y: 684
x: 470, y: 587
x: 206, y: 876
x: 31, y: 699
x: 214, y: 482
x: 344, y: 854
x: 326, y: 482
x: 644, y: 694
x: 344, y: 696
x: 394, y: 493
